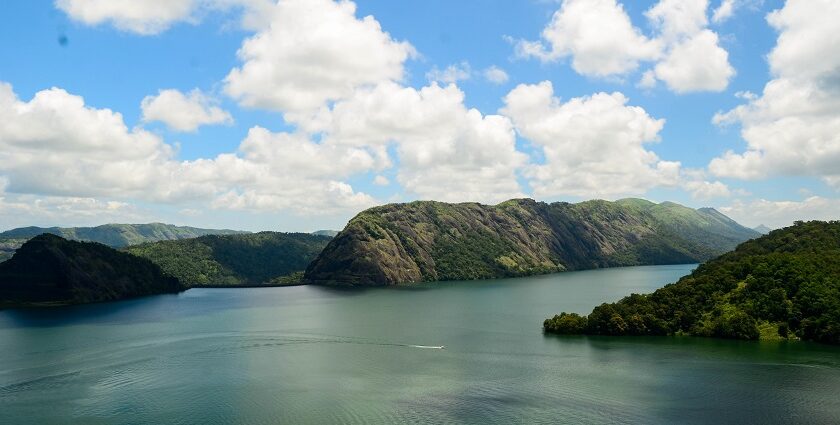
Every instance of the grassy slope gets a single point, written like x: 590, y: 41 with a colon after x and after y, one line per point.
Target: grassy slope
x: 785, y: 284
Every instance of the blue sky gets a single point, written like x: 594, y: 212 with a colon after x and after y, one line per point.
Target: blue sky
x: 246, y: 152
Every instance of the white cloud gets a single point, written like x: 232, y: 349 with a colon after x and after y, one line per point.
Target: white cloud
x: 149, y: 17
x: 315, y: 51
x: 597, y: 35
x: 446, y: 151
x: 678, y: 19
x: 452, y: 73
x: 183, y: 112
x: 648, y: 80
x: 142, y: 17
x: 593, y: 146
x: 701, y: 189
x: 727, y: 8
x: 782, y: 213
x: 793, y: 128
x: 724, y: 11
x: 381, y: 180
x: 496, y: 75
x: 55, y: 146
x: 602, y: 42
x: 26, y: 210
x: 696, y: 64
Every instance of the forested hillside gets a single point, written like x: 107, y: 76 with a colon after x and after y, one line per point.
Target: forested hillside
x: 782, y: 285
x: 246, y: 259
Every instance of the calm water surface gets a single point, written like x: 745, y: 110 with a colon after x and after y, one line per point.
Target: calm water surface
x: 314, y: 355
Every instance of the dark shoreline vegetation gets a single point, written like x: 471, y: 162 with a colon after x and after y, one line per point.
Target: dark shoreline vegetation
x: 785, y: 285
x: 428, y: 241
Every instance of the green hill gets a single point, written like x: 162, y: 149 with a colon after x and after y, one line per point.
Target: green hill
x: 783, y: 285
x: 50, y: 270
x: 429, y: 241
x: 246, y: 259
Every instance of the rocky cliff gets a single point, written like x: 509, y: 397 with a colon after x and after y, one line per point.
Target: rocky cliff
x: 429, y: 241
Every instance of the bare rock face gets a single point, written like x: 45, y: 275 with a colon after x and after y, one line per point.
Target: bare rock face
x: 429, y: 241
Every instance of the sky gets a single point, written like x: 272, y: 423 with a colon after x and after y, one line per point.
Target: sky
x: 294, y: 115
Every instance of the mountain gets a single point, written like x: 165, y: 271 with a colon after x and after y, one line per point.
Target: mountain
x: 762, y: 229
x: 116, y: 235
x: 330, y: 233
x: 428, y: 241
x: 8, y: 248
x: 50, y: 270
x: 782, y: 285
x: 246, y: 259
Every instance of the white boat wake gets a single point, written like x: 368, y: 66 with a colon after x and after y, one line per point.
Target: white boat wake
x: 433, y: 347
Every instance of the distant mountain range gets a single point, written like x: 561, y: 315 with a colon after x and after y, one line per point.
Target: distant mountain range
x: 117, y: 235
x: 762, y: 229
x: 330, y: 233
x: 429, y: 241
x: 113, y: 235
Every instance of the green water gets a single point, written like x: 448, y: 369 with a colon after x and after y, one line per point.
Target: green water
x: 313, y: 355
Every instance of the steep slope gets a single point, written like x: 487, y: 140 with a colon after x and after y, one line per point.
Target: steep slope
x: 785, y: 284
x: 50, y: 270
x: 115, y: 235
x: 250, y: 259
x: 428, y: 241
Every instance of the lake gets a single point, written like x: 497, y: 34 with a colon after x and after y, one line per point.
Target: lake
x: 316, y: 355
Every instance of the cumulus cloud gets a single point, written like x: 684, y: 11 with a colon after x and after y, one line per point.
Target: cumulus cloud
x: 593, y: 145
x: 381, y: 180
x: 56, y: 146
x: 496, y: 75
x: 696, y: 64
x: 601, y: 40
x: 149, y: 17
x: 445, y: 150
x: 782, y: 213
x: 183, y: 112
x: 596, y: 34
x: 724, y: 11
x: 694, y: 60
x: 727, y: 8
x: 793, y: 127
x: 314, y: 52
x: 452, y: 73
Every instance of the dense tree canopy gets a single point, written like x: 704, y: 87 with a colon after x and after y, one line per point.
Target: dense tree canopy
x: 782, y: 285
x: 244, y: 259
